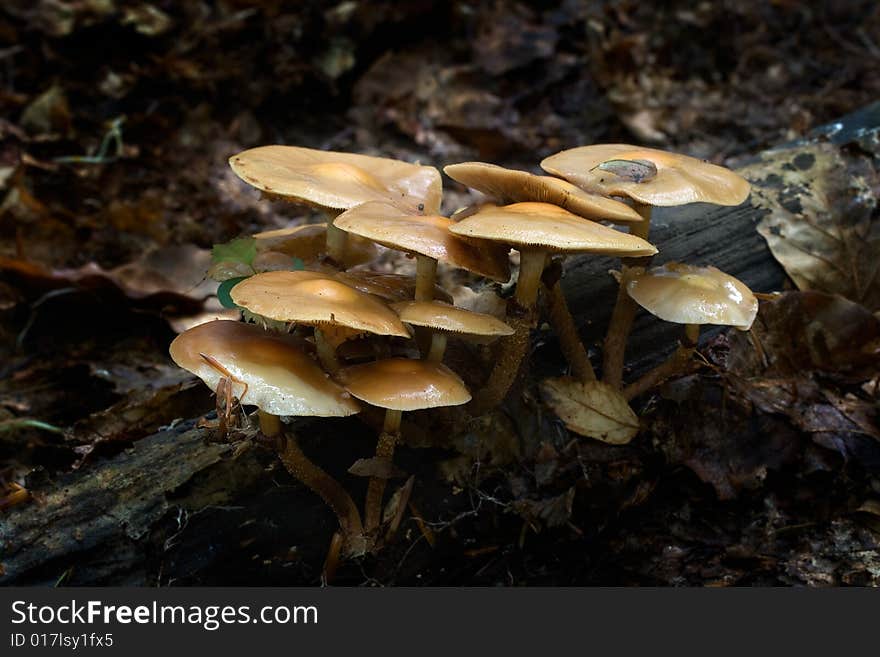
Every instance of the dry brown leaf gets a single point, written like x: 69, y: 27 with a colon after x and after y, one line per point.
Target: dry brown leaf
x: 593, y: 409
x: 820, y: 225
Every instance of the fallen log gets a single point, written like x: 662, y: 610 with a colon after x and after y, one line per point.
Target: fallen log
x: 174, y: 508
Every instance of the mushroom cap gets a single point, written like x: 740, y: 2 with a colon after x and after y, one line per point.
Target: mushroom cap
x: 330, y: 179
x: 512, y: 186
x: 404, y: 384
x: 281, y: 378
x: 444, y: 317
x: 425, y: 235
x: 307, y: 297
x: 549, y: 227
x: 309, y: 243
x: 388, y: 287
x: 686, y: 294
x: 679, y: 179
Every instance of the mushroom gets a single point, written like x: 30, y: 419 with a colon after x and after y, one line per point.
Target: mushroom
x: 388, y: 287
x: 318, y: 300
x: 650, y: 177
x: 398, y: 385
x: 537, y: 229
x: 273, y: 372
x: 337, y: 181
x: 509, y: 186
x: 429, y: 239
x: 692, y: 296
x: 512, y: 186
x: 443, y: 319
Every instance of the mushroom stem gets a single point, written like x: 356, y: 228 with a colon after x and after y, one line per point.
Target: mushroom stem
x: 337, y: 240
x: 531, y: 266
x: 512, y: 350
x: 326, y: 352
x: 438, y: 347
x: 569, y: 339
x: 426, y: 273
x: 614, y: 347
x: 270, y: 425
x: 376, y: 488
x: 677, y: 363
x: 330, y: 490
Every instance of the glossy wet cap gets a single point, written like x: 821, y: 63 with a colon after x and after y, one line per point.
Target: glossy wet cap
x: 443, y: 317
x: 425, y: 235
x: 403, y: 384
x: 647, y: 175
x: 306, y: 297
x: 309, y: 244
x: 547, y: 226
x: 686, y: 294
x: 280, y: 377
x: 331, y: 179
x: 512, y: 186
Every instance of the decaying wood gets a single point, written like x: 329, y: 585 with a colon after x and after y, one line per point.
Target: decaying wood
x: 122, y: 520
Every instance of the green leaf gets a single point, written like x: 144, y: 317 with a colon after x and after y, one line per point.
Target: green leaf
x: 242, y: 249
x: 224, y: 289
x: 298, y: 264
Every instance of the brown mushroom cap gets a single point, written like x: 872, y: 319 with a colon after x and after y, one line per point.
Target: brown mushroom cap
x: 512, y: 186
x: 281, y: 378
x: 679, y: 179
x: 330, y: 179
x: 443, y: 317
x: 686, y: 294
x: 309, y: 243
x: 549, y: 227
x: 386, y: 286
x: 402, y: 384
x: 425, y: 235
x: 307, y: 297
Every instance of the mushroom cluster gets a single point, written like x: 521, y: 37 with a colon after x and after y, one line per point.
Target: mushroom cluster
x: 323, y: 335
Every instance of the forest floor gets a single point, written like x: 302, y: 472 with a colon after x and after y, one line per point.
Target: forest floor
x: 116, y: 122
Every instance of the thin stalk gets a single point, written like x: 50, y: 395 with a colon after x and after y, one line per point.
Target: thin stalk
x: 569, y: 339
x: 438, y: 347
x: 337, y: 240
x: 270, y: 425
x: 326, y: 352
x: 376, y: 488
x: 614, y: 348
x: 330, y: 490
x: 677, y: 363
x: 531, y: 266
x: 426, y: 273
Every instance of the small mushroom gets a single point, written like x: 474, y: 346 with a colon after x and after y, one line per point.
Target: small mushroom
x: 271, y: 371
x: 536, y: 230
x: 692, y: 296
x: 398, y: 385
x: 512, y: 186
x: 388, y: 287
x: 337, y: 181
x: 429, y: 239
x: 650, y: 177
x: 309, y: 244
x: 443, y: 319
x: 317, y: 300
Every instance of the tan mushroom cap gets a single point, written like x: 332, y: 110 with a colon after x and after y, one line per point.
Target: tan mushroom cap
x: 686, y: 294
x: 309, y: 244
x: 335, y: 180
x: 512, y: 186
x: 443, y: 317
x: 403, y: 384
x: 680, y: 179
x: 552, y: 228
x: 428, y: 235
x: 281, y: 378
x: 307, y: 297
x: 388, y: 287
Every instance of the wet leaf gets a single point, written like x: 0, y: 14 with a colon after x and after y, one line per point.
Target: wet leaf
x: 381, y: 468
x: 820, y: 224
x: 593, y: 409
x: 550, y: 511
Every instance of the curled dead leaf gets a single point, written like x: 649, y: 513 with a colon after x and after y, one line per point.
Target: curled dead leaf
x: 593, y: 409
